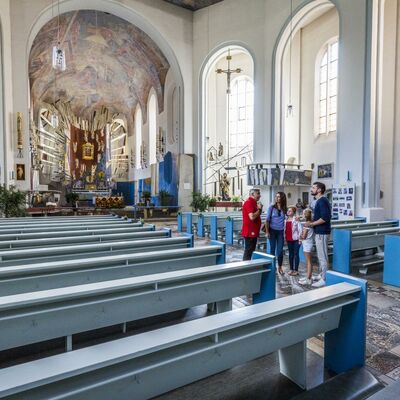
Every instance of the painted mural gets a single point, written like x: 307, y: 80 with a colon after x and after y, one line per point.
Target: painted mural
x: 110, y: 63
x: 111, y: 66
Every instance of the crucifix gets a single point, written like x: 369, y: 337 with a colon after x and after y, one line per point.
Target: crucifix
x: 228, y: 73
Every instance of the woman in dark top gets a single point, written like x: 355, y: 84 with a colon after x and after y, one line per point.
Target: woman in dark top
x: 275, y: 227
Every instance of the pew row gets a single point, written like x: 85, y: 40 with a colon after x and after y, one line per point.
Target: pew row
x: 185, y: 221
x: 7, y: 238
x: 149, y: 364
x: 47, y: 220
x: 68, y: 226
x: 74, y: 240
x: 62, y: 253
x: 391, y: 266
x: 206, y: 221
x: 347, y: 243
x: 29, y: 318
x: 58, y: 274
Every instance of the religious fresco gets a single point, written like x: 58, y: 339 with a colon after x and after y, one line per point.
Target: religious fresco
x: 110, y: 63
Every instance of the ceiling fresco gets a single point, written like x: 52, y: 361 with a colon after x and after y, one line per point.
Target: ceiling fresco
x: 193, y: 4
x: 110, y: 63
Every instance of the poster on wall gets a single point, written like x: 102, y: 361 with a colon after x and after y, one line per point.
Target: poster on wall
x: 343, y: 202
x: 325, y: 171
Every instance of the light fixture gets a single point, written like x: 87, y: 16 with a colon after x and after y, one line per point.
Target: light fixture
x: 289, y: 108
x: 58, y: 53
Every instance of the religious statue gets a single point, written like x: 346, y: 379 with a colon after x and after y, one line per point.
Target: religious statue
x: 220, y: 150
x: 224, y: 184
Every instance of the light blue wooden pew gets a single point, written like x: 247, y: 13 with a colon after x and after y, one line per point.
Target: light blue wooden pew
x: 60, y: 253
x: 73, y: 240
x: 149, y: 364
x: 185, y: 220
x: 58, y: 274
x: 47, y: 220
x: 63, y: 312
x: 347, y: 242
x: 83, y: 231
x: 391, y: 267
x: 67, y: 227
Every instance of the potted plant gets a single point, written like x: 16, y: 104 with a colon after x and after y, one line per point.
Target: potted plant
x: 165, y: 198
x: 12, y: 202
x: 236, y: 199
x: 146, y: 196
x: 72, y: 198
x: 200, y: 202
x: 212, y: 202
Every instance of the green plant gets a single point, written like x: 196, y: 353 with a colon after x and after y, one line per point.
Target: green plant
x: 146, y: 195
x: 12, y: 202
x: 212, y: 202
x: 164, y: 197
x: 200, y: 202
x: 236, y: 199
x: 71, y: 198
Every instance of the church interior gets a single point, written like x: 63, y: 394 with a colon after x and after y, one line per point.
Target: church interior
x: 141, y: 141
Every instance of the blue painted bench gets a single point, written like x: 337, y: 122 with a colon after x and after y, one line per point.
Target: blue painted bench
x: 49, y: 314
x: 8, y: 238
x: 347, y: 242
x: 391, y: 267
x: 57, y: 274
x: 60, y: 253
x: 149, y: 364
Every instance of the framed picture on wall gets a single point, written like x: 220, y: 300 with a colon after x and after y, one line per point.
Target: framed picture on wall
x: 325, y: 171
x: 20, y: 168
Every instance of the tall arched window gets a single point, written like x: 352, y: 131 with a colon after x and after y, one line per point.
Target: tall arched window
x: 138, y: 132
x: 152, y: 113
x: 241, y: 121
x: 327, y: 71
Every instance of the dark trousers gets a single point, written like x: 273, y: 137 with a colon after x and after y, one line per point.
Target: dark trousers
x: 294, y: 258
x: 249, y: 246
x: 276, y: 240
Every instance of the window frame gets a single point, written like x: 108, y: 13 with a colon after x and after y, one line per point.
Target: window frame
x: 235, y: 81
x: 325, y: 49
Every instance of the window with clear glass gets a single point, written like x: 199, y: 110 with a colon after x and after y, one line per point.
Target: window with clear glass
x: 241, y: 110
x: 152, y: 129
x: 328, y: 82
x: 138, y: 132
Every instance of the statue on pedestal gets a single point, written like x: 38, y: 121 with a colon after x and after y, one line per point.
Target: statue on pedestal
x: 224, y: 185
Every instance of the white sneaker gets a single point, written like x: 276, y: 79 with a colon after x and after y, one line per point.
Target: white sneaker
x: 305, y: 281
x: 319, y: 283
x: 316, y: 277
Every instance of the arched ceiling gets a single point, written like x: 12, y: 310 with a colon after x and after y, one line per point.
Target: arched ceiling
x: 110, y: 63
x: 193, y: 5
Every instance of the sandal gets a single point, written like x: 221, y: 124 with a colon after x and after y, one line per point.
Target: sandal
x: 280, y: 271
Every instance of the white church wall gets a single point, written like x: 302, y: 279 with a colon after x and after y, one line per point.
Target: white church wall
x: 315, y: 149
x: 170, y: 27
x: 259, y: 32
x: 6, y: 102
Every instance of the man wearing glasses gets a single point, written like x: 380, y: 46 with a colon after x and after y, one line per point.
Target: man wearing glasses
x: 251, y: 212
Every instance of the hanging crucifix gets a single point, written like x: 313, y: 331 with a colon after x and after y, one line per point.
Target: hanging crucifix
x: 228, y: 73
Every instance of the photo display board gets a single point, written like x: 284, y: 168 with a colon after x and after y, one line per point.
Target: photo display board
x: 343, y: 201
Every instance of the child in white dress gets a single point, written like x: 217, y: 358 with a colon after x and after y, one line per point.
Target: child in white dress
x: 307, y: 240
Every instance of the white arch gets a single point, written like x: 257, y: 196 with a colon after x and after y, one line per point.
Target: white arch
x: 301, y: 17
x: 126, y: 13
x: 208, y: 64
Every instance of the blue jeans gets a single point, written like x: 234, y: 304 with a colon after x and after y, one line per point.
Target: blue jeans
x: 294, y: 258
x: 276, y: 240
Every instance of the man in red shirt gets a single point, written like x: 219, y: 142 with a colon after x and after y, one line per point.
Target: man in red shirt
x: 251, y: 212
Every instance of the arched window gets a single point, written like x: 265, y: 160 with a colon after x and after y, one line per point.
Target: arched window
x: 241, y: 122
x: 152, y: 112
x: 327, y: 72
x: 138, y: 132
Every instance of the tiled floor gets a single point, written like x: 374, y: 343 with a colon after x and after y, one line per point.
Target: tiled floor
x: 383, y: 324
